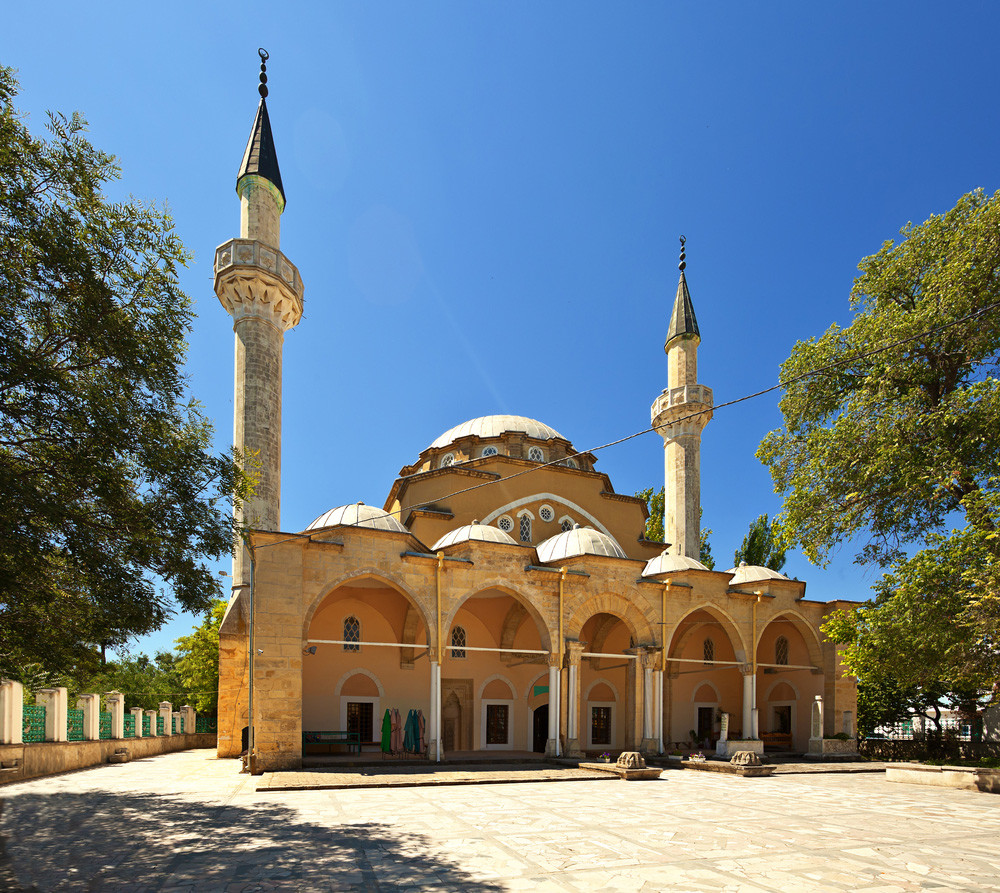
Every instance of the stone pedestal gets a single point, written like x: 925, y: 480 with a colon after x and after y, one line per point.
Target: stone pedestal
x: 91, y: 706
x: 11, y: 712
x: 54, y: 702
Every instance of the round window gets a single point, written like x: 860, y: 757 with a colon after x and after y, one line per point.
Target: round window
x: 505, y: 523
x: 572, y: 463
x: 489, y: 451
x: 535, y: 454
x: 446, y: 460
x: 546, y: 513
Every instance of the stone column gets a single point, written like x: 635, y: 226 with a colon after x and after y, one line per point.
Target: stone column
x: 190, y: 717
x: 552, y: 745
x: 650, y: 742
x: 166, y: 709
x: 54, y: 702
x: 151, y: 715
x: 749, y: 689
x: 137, y: 716
x: 658, y: 694
x: 574, y: 652
x: 434, y: 720
x: 11, y: 712
x: 116, y: 704
x: 816, y: 726
x: 91, y: 706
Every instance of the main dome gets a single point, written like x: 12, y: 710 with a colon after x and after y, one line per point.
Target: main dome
x: 488, y: 426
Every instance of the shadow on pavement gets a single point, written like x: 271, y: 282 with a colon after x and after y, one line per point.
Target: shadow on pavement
x: 128, y: 842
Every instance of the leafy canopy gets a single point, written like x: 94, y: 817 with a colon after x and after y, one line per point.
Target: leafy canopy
x: 110, y: 501
x: 760, y: 546
x: 198, y: 660
x: 894, y: 445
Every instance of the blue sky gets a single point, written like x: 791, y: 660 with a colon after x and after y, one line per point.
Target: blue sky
x: 484, y: 201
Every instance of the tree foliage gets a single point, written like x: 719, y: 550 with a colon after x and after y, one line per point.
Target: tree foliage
x: 893, y: 443
x: 198, y: 660
x: 111, y: 500
x: 654, y: 524
x: 760, y: 546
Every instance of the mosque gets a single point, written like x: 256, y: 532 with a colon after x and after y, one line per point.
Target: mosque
x: 504, y: 589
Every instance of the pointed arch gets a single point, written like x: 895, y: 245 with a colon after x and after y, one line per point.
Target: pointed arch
x: 679, y: 635
x: 700, y: 685
x: 809, y: 633
x: 496, y: 677
x: 602, y: 680
x: 358, y: 671
x: 546, y: 635
x: 640, y: 625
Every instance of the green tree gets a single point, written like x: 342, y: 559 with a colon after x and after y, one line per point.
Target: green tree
x: 893, y: 444
x: 111, y: 499
x: 654, y: 524
x: 198, y: 660
x: 760, y: 546
x: 144, y: 681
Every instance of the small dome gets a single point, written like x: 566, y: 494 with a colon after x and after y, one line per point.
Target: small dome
x: 493, y: 426
x: 578, y: 541
x: 752, y: 573
x: 357, y: 514
x: 665, y: 563
x: 485, y: 533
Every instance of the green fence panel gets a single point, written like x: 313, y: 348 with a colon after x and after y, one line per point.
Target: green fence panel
x: 129, y: 725
x: 33, y: 729
x: 159, y: 725
x: 173, y: 726
x: 105, y: 725
x: 145, y: 726
x: 205, y: 724
x: 74, y: 725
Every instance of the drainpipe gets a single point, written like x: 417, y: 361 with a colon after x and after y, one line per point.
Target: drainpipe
x: 562, y: 645
x: 754, y: 718
x: 251, y: 755
x: 663, y: 665
x: 436, y: 666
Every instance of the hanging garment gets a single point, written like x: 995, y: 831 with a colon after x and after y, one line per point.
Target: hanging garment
x: 408, y: 733
x: 387, y: 731
x: 422, y: 732
x: 397, y: 732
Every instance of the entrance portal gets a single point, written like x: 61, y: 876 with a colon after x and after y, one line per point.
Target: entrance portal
x: 540, y: 728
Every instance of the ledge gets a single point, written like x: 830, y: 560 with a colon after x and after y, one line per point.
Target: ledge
x: 966, y: 778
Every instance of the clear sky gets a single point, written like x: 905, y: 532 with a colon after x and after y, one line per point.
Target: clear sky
x: 484, y: 201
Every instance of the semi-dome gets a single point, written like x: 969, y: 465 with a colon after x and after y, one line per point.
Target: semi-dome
x: 488, y: 426
x: 578, y: 541
x: 486, y: 533
x: 357, y: 514
x: 665, y: 563
x: 752, y: 573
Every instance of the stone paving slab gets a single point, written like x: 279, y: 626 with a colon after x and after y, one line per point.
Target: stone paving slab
x: 188, y: 822
x: 421, y: 776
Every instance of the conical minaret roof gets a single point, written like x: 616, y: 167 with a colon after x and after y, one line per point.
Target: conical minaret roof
x: 683, y: 322
x: 260, y: 159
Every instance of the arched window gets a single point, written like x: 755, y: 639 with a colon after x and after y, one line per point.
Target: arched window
x: 489, y: 451
x: 352, y: 633
x: 525, y: 528
x: 446, y: 460
x: 781, y: 651
x: 567, y: 524
x: 535, y: 454
x: 458, y: 642
x: 708, y: 651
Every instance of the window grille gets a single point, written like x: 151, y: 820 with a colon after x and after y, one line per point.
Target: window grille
x: 525, y: 528
x: 490, y: 451
x: 497, y: 723
x: 781, y: 651
x: 708, y: 651
x: 535, y: 454
x: 546, y: 513
x: 359, y: 719
x: 567, y: 525
x: 352, y: 633
x: 505, y: 524
x: 600, y: 725
x: 458, y: 641
x: 447, y: 459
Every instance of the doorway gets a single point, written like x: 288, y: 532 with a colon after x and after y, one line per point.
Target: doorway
x: 540, y: 728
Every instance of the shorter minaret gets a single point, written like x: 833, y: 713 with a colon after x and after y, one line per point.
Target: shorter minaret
x: 679, y: 414
x: 262, y: 290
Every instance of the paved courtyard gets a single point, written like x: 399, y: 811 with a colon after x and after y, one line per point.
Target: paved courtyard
x: 189, y: 822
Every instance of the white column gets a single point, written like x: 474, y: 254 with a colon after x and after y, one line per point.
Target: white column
x: 152, y: 722
x: 116, y: 704
x: 658, y: 688
x: 554, y: 708
x: 433, y: 724
x: 190, y: 717
x: 11, y: 712
x: 166, y: 709
x: 137, y: 716
x: 91, y: 706
x: 54, y: 702
x: 647, y: 702
x: 749, y: 684
x: 573, y: 711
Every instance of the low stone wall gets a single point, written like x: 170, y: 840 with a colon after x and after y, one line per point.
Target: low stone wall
x: 832, y: 747
x: 731, y: 746
x: 27, y: 761
x: 967, y: 778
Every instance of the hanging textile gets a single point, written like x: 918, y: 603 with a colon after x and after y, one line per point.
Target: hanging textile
x: 408, y: 733
x: 387, y: 731
x: 421, y: 733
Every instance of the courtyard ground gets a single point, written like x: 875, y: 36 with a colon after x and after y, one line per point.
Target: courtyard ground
x: 187, y: 821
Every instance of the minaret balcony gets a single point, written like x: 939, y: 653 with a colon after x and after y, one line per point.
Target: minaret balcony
x: 253, y: 279
x: 683, y: 396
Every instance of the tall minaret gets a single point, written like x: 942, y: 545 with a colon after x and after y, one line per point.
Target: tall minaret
x: 679, y: 414
x: 262, y: 290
